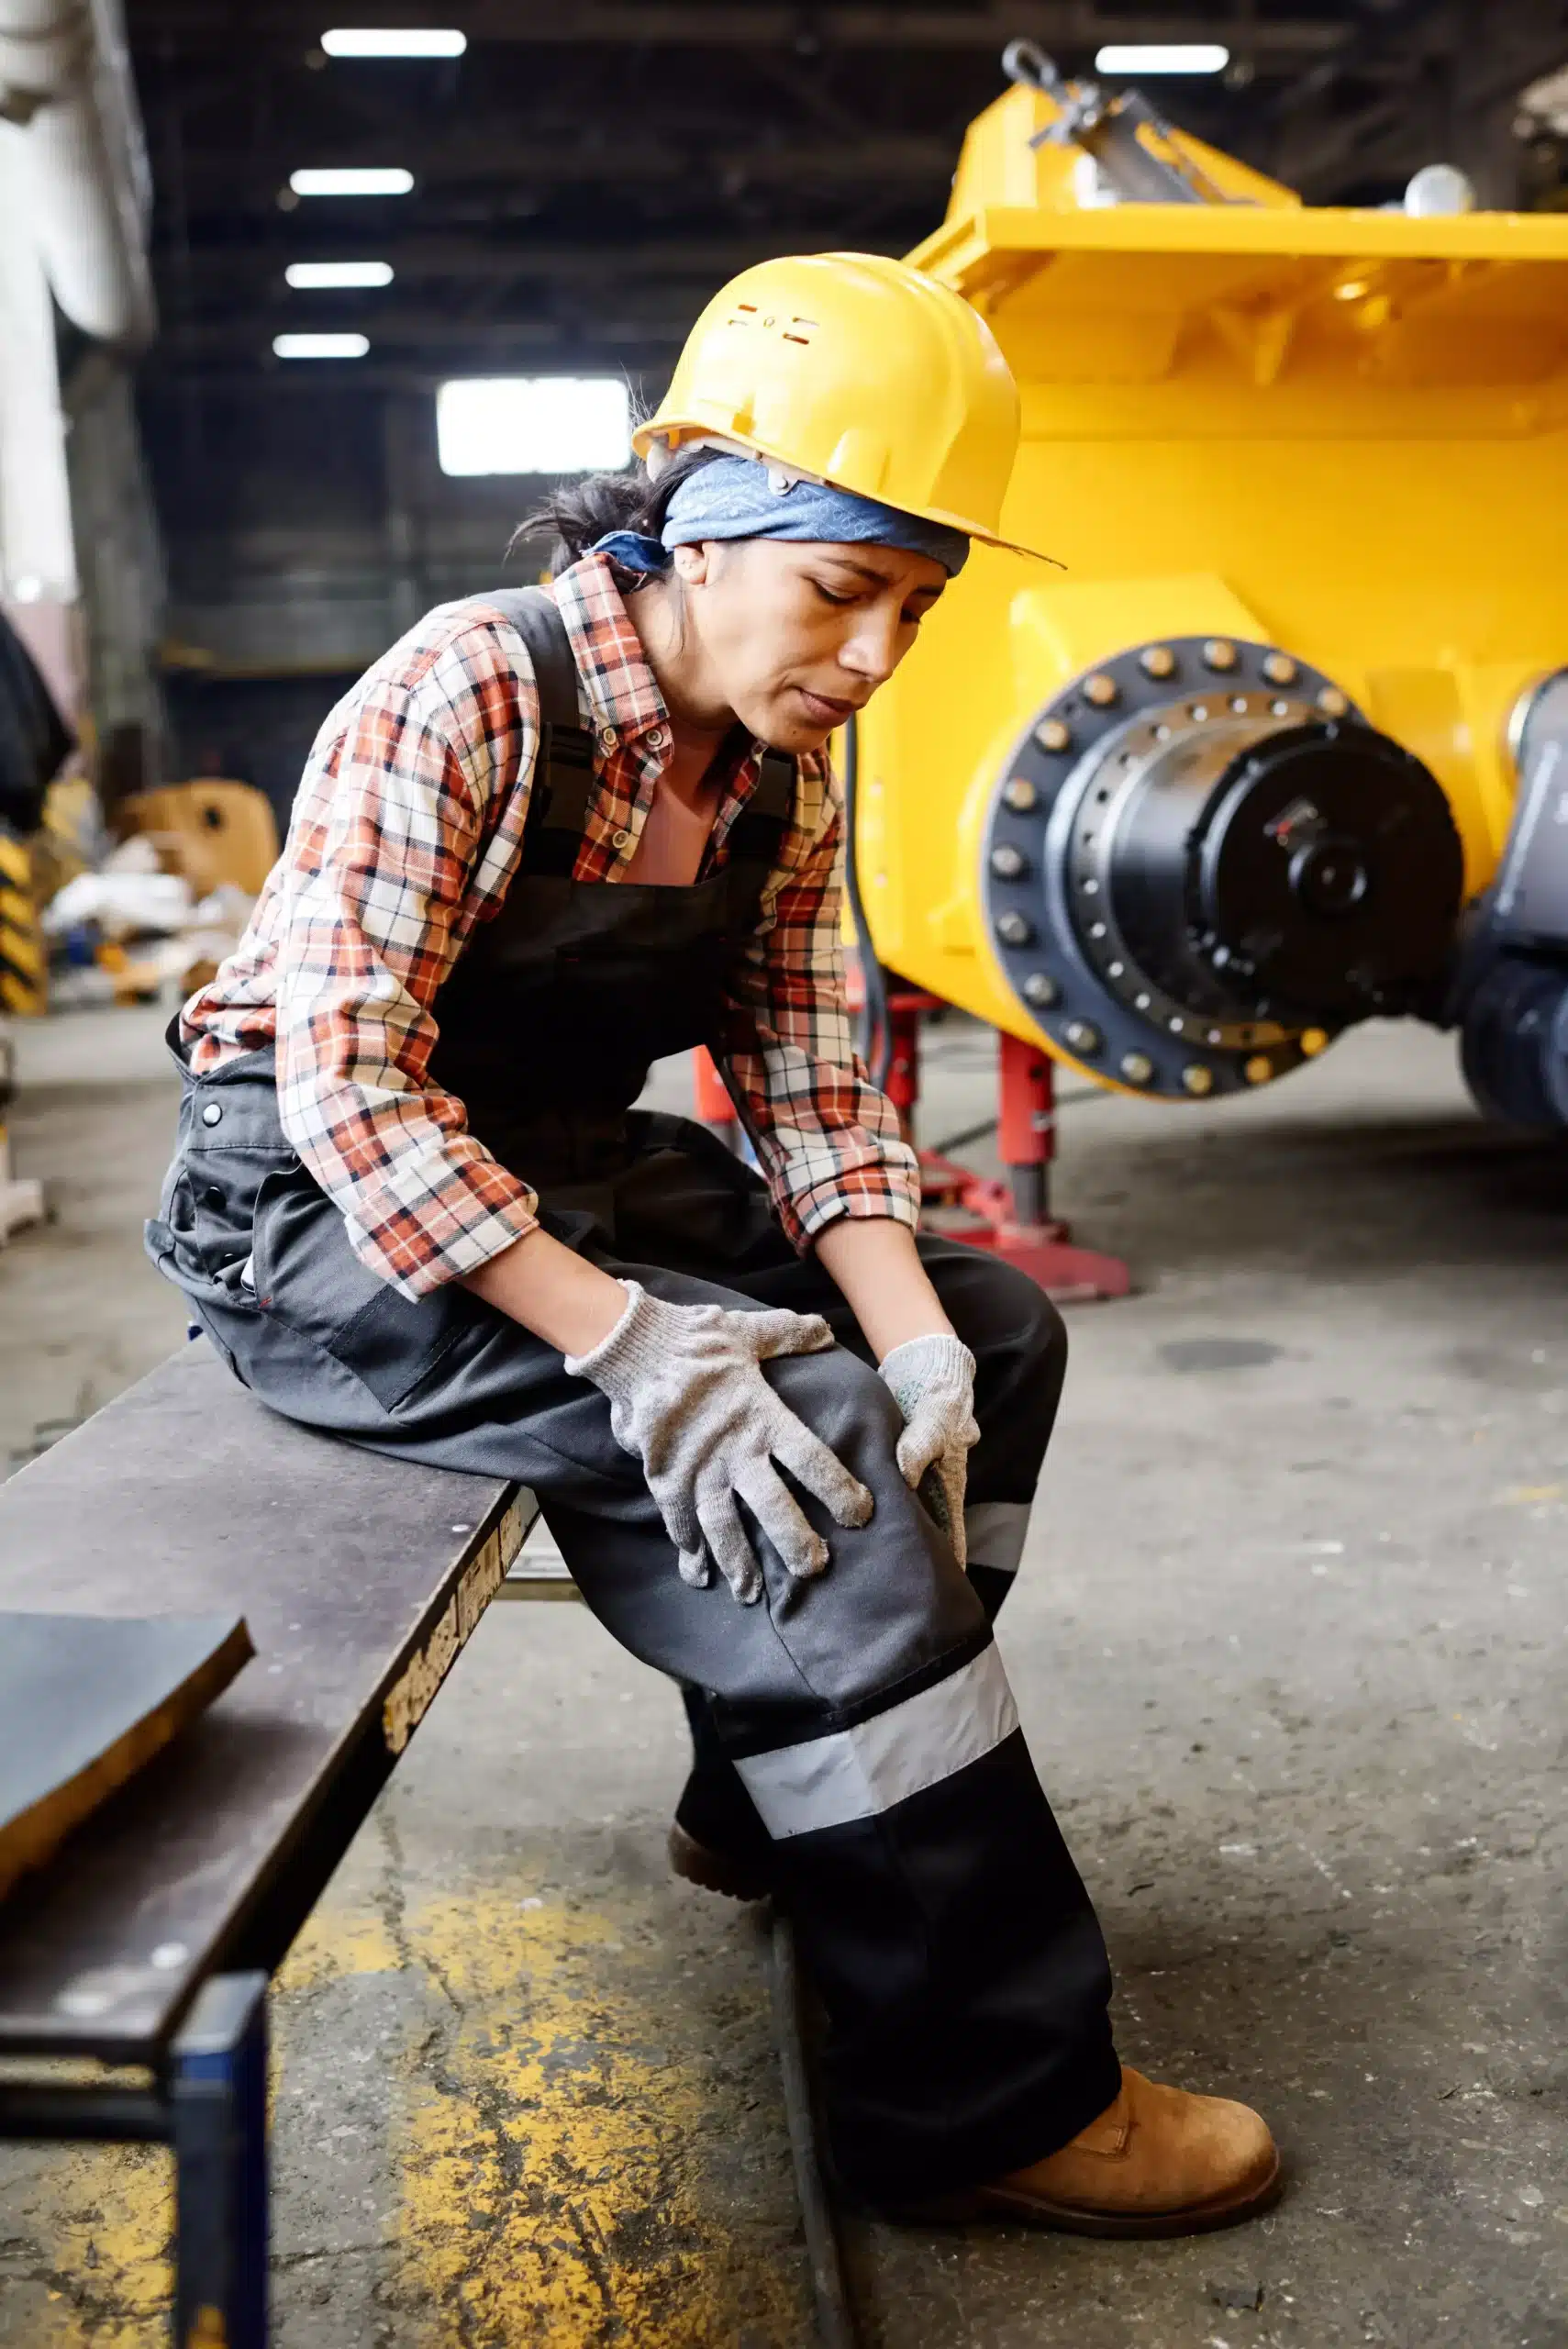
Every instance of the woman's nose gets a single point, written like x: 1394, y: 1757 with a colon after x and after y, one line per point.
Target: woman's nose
x: 872, y: 650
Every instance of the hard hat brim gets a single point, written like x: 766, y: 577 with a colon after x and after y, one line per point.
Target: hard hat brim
x: 666, y: 429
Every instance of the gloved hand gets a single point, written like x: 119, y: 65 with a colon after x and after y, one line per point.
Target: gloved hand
x: 687, y: 1397
x: 933, y: 1384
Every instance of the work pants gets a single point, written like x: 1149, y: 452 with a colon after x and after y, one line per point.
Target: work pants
x: 866, y: 1712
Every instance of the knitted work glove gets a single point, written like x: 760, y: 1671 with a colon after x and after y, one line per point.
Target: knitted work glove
x: 933, y: 1384
x: 688, y: 1397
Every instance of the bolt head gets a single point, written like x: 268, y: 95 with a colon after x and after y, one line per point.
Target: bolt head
x: 1197, y: 1079
x: 1137, y: 1067
x: 1157, y: 661
x: 1259, y: 1069
x: 1279, y: 669
x: 1332, y: 701
x: 1081, y: 1036
x: 1007, y: 863
x: 1041, y: 988
x: 1101, y: 690
x: 1014, y: 929
x: 1053, y: 734
x: 1219, y: 653
x: 1313, y: 1040
x: 1021, y: 795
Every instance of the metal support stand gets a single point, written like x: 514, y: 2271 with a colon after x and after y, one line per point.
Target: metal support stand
x: 1011, y: 1217
x: 714, y: 1109
x: 218, y: 2101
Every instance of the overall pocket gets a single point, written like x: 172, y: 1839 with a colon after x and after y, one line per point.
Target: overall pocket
x: 308, y: 1278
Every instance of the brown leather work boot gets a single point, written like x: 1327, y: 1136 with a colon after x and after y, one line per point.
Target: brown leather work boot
x: 1157, y: 2162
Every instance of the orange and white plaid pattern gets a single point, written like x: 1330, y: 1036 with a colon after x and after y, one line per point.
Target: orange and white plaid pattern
x: 406, y: 831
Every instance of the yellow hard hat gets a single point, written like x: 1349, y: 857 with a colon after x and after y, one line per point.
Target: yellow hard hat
x: 858, y: 371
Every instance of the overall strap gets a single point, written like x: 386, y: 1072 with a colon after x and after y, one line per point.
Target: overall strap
x: 758, y: 829
x: 563, y: 778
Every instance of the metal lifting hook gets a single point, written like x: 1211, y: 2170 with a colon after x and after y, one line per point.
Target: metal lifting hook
x: 1108, y: 128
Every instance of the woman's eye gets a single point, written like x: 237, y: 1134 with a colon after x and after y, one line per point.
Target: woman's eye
x: 829, y: 595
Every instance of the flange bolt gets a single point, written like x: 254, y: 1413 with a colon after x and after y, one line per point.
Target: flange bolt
x: 1137, y: 1067
x: 1041, y: 988
x: 1082, y: 1037
x: 1197, y: 1079
x: 1218, y: 654
x: 1053, y: 734
x: 1007, y: 863
x: 1157, y: 661
x: 1014, y: 929
x: 1101, y: 690
x: 1021, y: 795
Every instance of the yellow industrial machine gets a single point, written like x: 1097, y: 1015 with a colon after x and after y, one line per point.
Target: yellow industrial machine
x: 1243, y: 770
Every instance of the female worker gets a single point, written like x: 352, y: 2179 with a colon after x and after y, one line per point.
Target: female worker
x: 547, y: 839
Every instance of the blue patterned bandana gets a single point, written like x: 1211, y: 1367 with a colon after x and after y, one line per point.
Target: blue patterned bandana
x: 741, y: 497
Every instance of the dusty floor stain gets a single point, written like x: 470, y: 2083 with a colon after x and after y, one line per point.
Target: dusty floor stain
x: 546, y: 2114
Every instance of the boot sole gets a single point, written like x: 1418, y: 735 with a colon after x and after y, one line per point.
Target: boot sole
x: 995, y: 2202
x: 712, y: 1872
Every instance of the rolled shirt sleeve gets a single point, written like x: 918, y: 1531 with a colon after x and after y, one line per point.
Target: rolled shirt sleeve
x: 379, y: 889
x: 827, y: 1140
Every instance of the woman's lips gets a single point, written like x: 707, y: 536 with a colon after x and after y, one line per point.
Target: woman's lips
x: 824, y: 708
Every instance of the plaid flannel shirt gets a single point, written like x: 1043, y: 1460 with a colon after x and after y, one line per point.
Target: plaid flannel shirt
x: 406, y: 831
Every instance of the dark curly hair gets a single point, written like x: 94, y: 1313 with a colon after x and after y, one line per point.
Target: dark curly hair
x: 590, y: 506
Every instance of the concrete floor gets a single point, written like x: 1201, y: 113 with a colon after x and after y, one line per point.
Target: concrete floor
x: 1288, y: 1646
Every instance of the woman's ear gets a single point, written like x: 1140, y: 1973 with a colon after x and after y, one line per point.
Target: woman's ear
x: 691, y: 564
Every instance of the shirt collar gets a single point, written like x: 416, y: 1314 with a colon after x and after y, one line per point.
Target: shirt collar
x: 617, y: 684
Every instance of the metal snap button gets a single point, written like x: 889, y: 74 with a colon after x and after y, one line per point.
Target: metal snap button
x: 211, y: 1113
x: 619, y: 839
x: 657, y: 738
x: 608, y: 737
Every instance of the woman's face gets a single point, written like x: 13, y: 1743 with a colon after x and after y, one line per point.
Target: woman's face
x: 793, y: 637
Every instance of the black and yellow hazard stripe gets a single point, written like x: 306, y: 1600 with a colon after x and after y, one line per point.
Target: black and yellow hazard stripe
x: 23, y: 964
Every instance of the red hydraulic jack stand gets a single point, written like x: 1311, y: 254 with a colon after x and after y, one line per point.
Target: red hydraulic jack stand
x: 1012, y: 1217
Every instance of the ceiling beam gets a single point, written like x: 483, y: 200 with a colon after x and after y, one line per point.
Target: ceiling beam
x: 411, y: 329
x: 702, y: 261
x: 523, y: 156
x: 805, y: 31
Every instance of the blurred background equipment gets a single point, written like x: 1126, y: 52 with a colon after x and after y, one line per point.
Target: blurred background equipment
x: 1227, y: 782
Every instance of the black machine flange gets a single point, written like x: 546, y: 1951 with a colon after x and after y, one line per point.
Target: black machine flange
x: 1201, y: 863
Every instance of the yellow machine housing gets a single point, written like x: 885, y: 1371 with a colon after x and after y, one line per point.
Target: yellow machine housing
x: 1222, y: 784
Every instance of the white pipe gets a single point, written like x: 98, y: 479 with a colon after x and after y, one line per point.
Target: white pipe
x: 38, y: 563
x: 65, y: 82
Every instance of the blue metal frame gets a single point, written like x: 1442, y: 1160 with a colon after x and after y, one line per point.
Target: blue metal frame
x: 210, y: 2106
x: 218, y: 2107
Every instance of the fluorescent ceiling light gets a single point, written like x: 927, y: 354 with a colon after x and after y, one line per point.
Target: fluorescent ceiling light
x: 532, y: 424
x: 1162, y: 57
x: 309, y: 276
x: 352, y: 180
x: 418, y: 40
x: 320, y: 346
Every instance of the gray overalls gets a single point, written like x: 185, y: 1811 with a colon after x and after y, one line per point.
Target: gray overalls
x: 861, y: 1723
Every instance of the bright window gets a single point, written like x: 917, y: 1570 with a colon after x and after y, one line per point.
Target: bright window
x: 533, y: 424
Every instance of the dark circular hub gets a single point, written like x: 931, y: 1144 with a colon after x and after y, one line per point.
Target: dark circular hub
x: 1200, y: 864
x: 1324, y: 875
